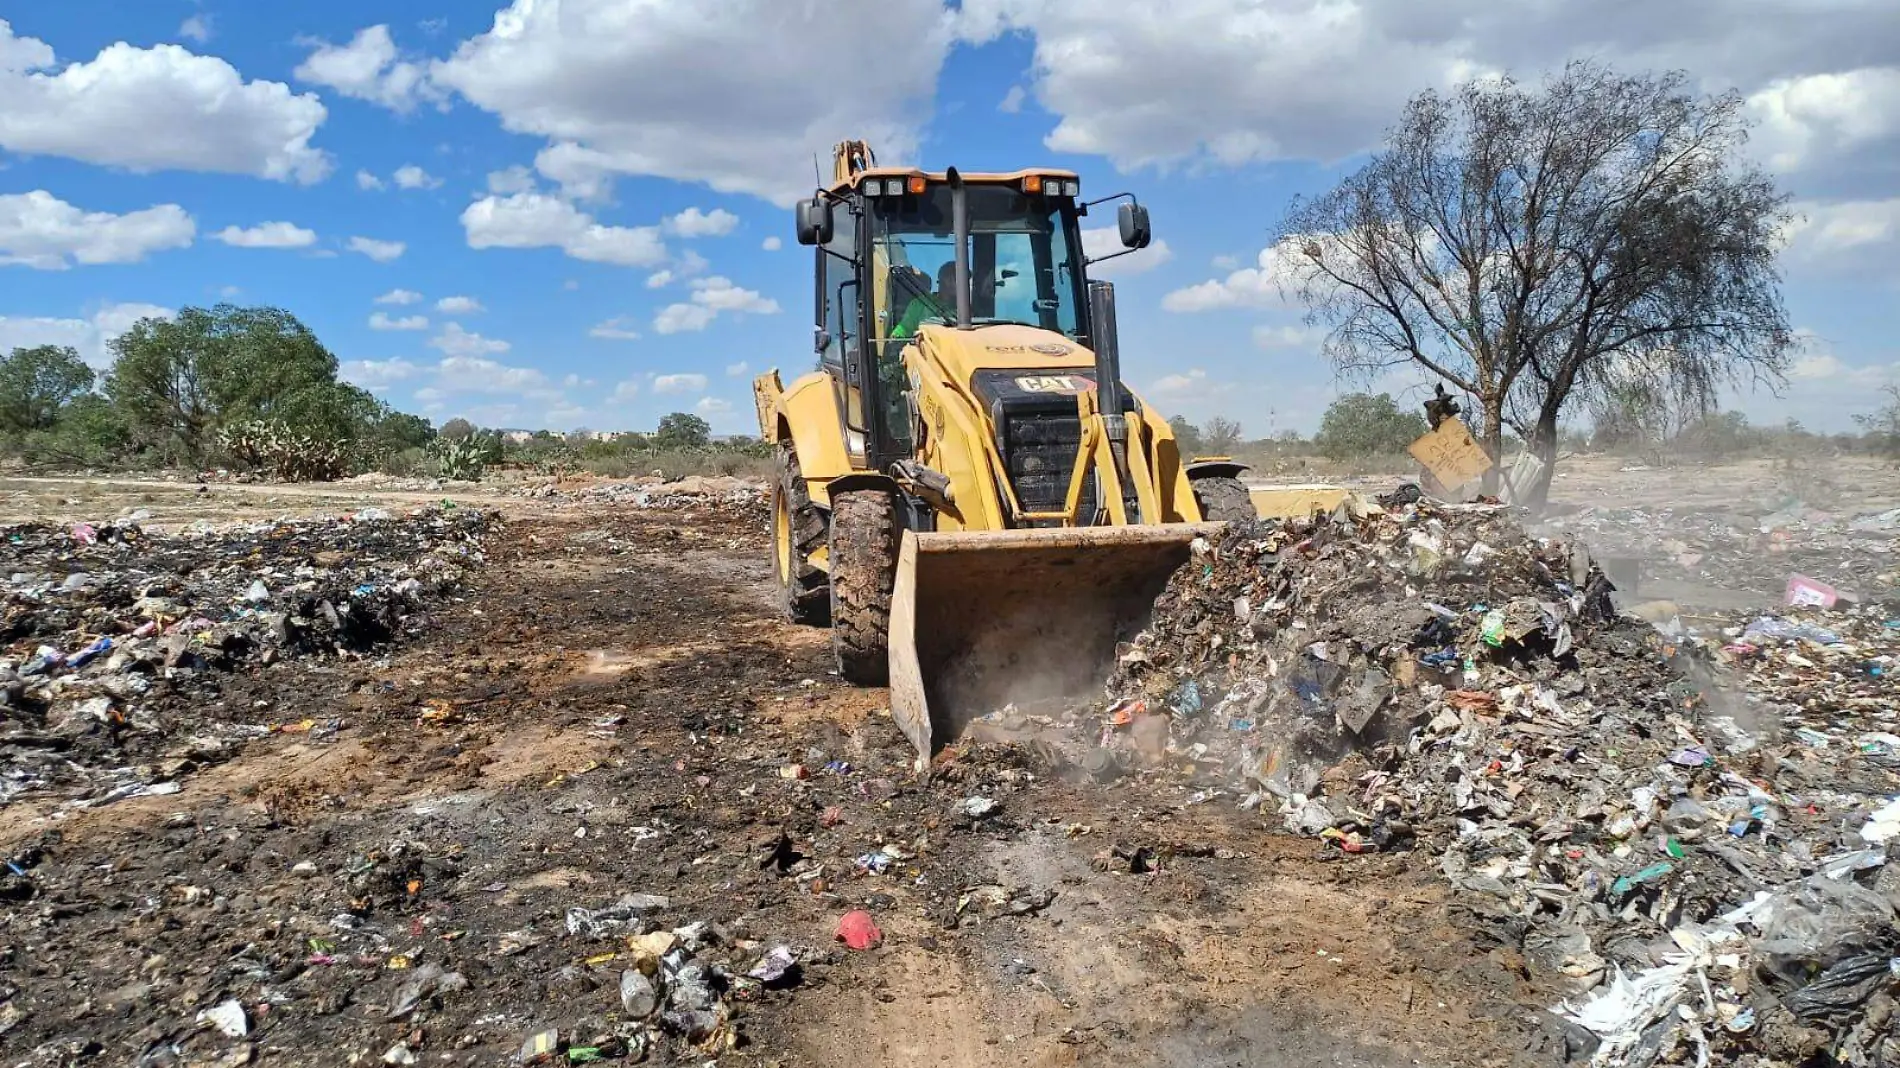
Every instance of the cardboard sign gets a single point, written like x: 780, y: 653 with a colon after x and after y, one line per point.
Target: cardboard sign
x: 1451, y: 454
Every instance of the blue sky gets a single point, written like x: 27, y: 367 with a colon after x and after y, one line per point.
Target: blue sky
x: 572, y: 213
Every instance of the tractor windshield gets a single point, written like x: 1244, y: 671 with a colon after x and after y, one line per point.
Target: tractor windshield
x: 1025, y: 261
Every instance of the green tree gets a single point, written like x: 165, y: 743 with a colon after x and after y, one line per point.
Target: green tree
x: 1360, y: 424
x: 37, y: 385
x: 1187, y: 436
x: 682, y: 430
x: 458, y: 429
x: 178, y: 381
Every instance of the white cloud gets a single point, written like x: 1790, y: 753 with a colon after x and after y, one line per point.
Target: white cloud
x: 626, y: 391
x: 1249, y: 287
x: 736, y: 370
x: 380, y: 321
x: 690, y: 263
x: 1816, y: 119
x: 1224, y: 262
x: 40, y: 230
x: 695, y: 223
x: 1012, y: 101
x: 681, y: 383
x: 659, y: 279
x: 458, y: 305
x: 738, y: 94
x: 91, y: 336
x: 399, y: 296
x: 712, y: 406
x: 380, y: 251
x: 511, y: 180
x: 1823, y: 230
x: 1229, y: 83
x: 619, y: 328
x: 1107, y: 240
x: 410, y: 176
x: 196, y: 28
x: 1176, y: 385
x: 710, y: 297
x: 151, y: 109
x: 772, y: 244
x: 268, y: 235
x: 378, y: 374
x: 1287, y: 337
x: 537, y: 220
x: 463, y: 373
x: 455, y: 341
x: 366, y: 180
x: 369, y: 68
x: 230, y: 292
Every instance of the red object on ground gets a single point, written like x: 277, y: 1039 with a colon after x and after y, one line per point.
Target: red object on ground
x: 858, y: 930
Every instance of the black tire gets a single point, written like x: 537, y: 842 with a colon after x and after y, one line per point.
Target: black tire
x: 1224, y: 500
x: 798, y: 530
x: 865, y: 533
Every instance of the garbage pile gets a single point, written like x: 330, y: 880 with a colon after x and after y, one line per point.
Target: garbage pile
x: 112, y: 636
x: 694, y: 491
x: 1711, y: 881
x: 1748, y: 550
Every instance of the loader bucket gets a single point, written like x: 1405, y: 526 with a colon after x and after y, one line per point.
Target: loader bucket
x: 981, y: 619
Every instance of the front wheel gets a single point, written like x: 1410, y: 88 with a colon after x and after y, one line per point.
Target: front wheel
x: 1224, y: 500
x: 865, y: 533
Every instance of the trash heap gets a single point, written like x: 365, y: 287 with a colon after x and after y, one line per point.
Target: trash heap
x: 1708, y: 881
x: 695, y: 491
x: 1747, y: 549
x: 113, y: 635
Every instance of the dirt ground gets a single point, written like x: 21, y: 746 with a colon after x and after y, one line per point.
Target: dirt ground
x: 627, y: 712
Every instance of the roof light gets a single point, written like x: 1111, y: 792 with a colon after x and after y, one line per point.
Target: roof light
x: 916, y: 183
x: 1071, y: 188
x: 1032, y: 184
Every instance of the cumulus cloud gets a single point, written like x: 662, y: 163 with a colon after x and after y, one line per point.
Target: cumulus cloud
x: 367, y: 181
x: 1012, y: 101
x: 772, y: 244
x: 712, y: 406
x: 537, y: 220
x: 710, y: 297
x: 378, y: 374
x: 695, y: 223
x: 369, y: 67
x: 381, y: 321
x: 458, y: 305
x: 1176, y: 385
x: 1226, y: 83
x: 455, y: 341
x: 1250, y: 287
x: 681, y: 383
x: 626, y: 391
x: 152, y: 109
x: 90, y: 336
x: 410, y: 176
x: 466, y: 373
x: 1107, y: 240
x: 659, y: 279
x: 380, y: 251
x: 399, y: 296
x: 511, y: 180
x: 40, y: 230
x: 736, y: 370
x: 268, y: 235
x: 619, y: 328
x: 196, y: 28
x: 737, y: 95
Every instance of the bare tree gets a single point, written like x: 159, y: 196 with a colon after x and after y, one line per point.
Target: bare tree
x: 1535, y: 248
x: 1220, y: 435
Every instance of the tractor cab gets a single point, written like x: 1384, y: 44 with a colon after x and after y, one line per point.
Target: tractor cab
x: 902, y: 251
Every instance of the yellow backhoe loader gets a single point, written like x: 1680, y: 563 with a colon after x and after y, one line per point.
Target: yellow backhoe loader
x: 967, y: 492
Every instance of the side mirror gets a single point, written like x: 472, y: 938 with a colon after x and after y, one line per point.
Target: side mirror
x: 814, y: 221
x: 820, y: 340
x: 1133, y: 220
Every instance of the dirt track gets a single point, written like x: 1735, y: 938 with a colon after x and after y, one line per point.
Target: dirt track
x: 622, y: 700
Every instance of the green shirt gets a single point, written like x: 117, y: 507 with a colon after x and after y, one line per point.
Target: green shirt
x: 919, y: 309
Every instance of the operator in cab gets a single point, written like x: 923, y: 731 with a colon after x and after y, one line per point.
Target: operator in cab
x: 939, y: 305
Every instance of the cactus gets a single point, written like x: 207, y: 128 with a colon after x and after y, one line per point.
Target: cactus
x: 287, y: 455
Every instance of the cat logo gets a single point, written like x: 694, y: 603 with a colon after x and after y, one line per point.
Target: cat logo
x: 1053, y: 384
x: 1051, y: 349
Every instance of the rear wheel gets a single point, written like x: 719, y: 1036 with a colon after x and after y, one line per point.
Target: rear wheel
x: 798, y: 530
x: 864, y: 540
x: 1224, y: 500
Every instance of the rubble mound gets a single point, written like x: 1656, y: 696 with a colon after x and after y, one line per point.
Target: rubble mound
x: 1428, y: 677
x: 115, y: 636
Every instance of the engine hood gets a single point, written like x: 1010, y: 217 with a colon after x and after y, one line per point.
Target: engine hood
x: 963, y: 353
